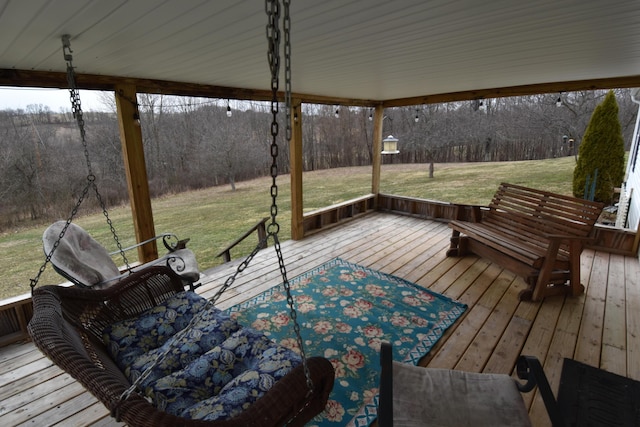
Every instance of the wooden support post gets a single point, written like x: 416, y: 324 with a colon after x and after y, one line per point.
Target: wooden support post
x: 134, y: 164
x: 295, y: 159
x: 378, y: 117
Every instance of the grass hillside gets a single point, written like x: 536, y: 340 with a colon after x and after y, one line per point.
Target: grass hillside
x: 216, y: 216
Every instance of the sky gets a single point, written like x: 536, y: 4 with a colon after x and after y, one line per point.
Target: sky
x: 55, y: 99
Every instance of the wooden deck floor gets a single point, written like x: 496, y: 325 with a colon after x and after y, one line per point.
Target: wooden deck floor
x: 600, y: 328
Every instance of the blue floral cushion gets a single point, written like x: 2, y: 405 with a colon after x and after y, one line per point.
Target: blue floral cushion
x: 211, y: 328
x: 131, y: 338
x: 215, y: 371
x: 225, y: 380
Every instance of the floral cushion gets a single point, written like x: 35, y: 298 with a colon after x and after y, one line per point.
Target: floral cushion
x: 214, y: 372
x: 225, y: 380
x: 131, y: 338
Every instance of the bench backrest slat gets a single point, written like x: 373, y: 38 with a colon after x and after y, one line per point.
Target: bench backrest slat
x: 542, y: 212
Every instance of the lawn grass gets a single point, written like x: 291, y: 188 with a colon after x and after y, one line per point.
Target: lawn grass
x: 216, y: 216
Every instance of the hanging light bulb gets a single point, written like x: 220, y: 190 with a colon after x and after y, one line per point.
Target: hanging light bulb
x: 559, y: 101
x: 337, y: 113
x: 417, y: 119
x: 228, y: 109
x: 370, y: 116
x: 482, y: 106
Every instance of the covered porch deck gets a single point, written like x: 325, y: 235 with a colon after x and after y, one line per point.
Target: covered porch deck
x: 599, y: 328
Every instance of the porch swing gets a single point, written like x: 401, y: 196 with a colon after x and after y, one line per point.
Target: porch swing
x: 77, y: 256
x: 156, y: 354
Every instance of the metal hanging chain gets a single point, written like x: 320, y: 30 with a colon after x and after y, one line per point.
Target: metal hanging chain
x: 286, y: 26
x: 76, y: 109
x: 241, y: 267
x: 273, y: 54
x: 77, y: 114
x: 273, y: 38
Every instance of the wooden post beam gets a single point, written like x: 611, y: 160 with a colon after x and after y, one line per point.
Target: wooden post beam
x: 296, y: 166
x: 134, y: 164
x: 378, y: 117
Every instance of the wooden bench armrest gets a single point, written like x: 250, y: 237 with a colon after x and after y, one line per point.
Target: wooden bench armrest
x: 470, y: 213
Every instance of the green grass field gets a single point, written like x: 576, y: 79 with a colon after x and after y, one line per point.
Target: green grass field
x: 216, y: 216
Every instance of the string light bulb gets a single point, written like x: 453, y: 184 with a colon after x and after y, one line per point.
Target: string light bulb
x: 370, y: 116
x: 559, y: 101
x: 417, y: 119
x: 228, y: 109
x: 337, y: 113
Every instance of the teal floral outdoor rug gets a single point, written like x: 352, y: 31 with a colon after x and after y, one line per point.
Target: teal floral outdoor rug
x: 345, y: 311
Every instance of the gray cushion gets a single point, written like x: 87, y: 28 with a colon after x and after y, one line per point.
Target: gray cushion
x: 442, y: 397
x: 79, y: 257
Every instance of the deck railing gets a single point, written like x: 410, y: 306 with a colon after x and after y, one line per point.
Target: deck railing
x: 15, y: 314
x: 262, y: 235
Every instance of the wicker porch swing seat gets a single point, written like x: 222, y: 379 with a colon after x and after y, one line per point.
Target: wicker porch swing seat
x: 156, y: 354
x: 218, y: 374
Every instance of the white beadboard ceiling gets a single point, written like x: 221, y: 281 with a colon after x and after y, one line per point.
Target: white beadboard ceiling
x: 360, y: 49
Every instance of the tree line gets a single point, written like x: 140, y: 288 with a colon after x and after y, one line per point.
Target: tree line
x: 192, y: 143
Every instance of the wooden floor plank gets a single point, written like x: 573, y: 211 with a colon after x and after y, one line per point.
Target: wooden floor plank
x: 13, y: 351
x: 62, y: 413
x: 103, y: 421
x: 24, y: 396
x: 455, y: 347
x: 50, y: 402
x: 509, y: 348
x: 446, y: 347
x: 453, y: 350
x: 614, y: 332
x: 16, y: 362
x: 463, y: 281
x: 449, y: 270
x: 541, y: 333
x: 430, y: 254
x: 88, y: 417
x: 562, y: 346
x: 397, y: 244
x: 24, y: 370
x: 479, y: 287
x: 408, y: 251
x: 30, y: 381
x: 589, y: 345
x: 480, y: 350
x: 632, y: 286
